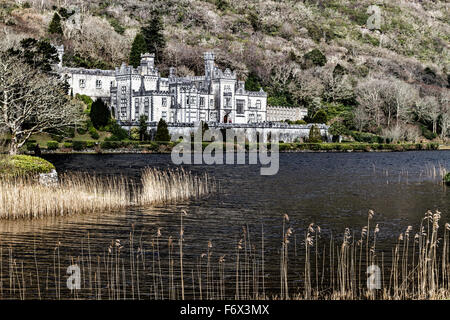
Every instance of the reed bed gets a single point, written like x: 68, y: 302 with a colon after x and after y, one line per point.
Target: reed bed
x: 415, y: 267
x: 84, y: 193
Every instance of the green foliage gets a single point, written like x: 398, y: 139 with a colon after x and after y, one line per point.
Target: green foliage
x: 82, y: 61
x: 320, y: 117
x: 154, y: 37
x: 314, y: 57
x: 55, y: 25
x: 366, y: 137
x: 338, y: 129
x: 52, y: 145
x: 221, y: 5
x: 116, y: 25
x: 253, y: 82
x: 142, y: 131
x: 39, y: 54
x: 79, y: 145
x: 118, y: 133
x: 162, y: 133
x: 99, y: 114
x: 85, y: 99
x: 255, y: 22
x: 447, y: 179
x: 93, y: 133
x: 138, y: 47
x: 427, y: 133
x: 314, y: 135
x: 24, y: 165
x: 134, y: 134
x: 67, y: 145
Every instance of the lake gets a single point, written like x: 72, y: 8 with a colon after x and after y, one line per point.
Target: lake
x: 331, y: 190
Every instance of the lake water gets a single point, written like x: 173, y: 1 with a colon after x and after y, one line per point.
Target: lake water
x: 332, y: 190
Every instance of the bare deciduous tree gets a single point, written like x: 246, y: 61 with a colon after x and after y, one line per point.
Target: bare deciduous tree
x: 369, y: 97
x: 427, y: 108
x: 444, y: 101
x: 31, y: 102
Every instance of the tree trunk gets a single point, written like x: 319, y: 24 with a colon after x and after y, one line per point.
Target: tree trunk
x: 14, y: 145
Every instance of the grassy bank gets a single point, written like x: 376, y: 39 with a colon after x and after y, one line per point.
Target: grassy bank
x: 166, y: 147
x: 23, y: 165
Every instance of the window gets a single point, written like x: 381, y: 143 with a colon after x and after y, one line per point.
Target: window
x: 202, y: 102
x: 82, y: 83
x: 227, y: 87
x: 187, y: 100
x: 164, y: 115
x: 251, y: 117
x: 164, y: 102
x: 228, y: 102
x: 259, y: 118
x: 98, y: 84
x: 258, y: 104
x: 136, y: 108
x: 211, y: 103
x: 146, y: 107
x: 124, y: 90
x: 123, y: 107
x: 193, y: 100
x: 202, y: 115
x: 240, y: 106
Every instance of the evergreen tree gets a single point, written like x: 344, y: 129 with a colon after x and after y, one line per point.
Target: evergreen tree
x: 320, y: 117
x: 99, y: 114
x: 39, y: 54
x: 162, y: 133
x: 55, y: 25
x: 153, y: 35
x: 314, y: 135
x: 143, y: 128
x: 139, y: 46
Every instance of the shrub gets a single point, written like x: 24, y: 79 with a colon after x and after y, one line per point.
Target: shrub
x: 30, y: 146
x: 79, y: 145
x: 52, y: 145
x: 447, y: 179
x: 320, y: 117
x: 93, y: 133
x: 21, y: 165
x: 314, y: 58
x: 162, y: 133
x: 314, y: 135
x: 100, y: 114
x: 67, y: 144
x: 118, y: 133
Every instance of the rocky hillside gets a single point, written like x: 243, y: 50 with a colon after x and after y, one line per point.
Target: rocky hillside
x: 317, y: 54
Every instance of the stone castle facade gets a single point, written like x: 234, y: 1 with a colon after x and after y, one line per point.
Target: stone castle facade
x: 217, y: 96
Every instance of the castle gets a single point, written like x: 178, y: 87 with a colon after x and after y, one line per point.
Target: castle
x: 217, y: 96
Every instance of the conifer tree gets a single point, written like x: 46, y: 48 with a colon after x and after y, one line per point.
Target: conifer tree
x: 139, y: 46
x: 162, y: 133
x: 154, y: 37
x: 99, y: 114
x: 55, y: 25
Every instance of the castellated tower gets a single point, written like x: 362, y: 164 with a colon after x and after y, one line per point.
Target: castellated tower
x: 147, y: 62
x: 209, y: 64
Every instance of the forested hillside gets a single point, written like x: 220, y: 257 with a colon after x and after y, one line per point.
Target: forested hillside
x: 392, y: 81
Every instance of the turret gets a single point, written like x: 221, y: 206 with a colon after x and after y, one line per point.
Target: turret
x: 147, y: 62
x: 209, y: 64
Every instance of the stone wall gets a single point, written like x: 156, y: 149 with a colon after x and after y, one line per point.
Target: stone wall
x: 285, y: 132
